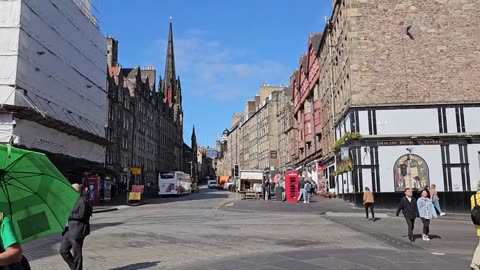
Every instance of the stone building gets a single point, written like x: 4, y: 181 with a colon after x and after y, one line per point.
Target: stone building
x: 307, y: 106
x: 404, y: 97
x: 260, y: 130
x: 234, y: 144
x: 170, y: 101
x: 187, y: 159
x: 119, y: 130
x: 285, y: 119
x: 223, y: 166
x: 145, y: 141
x: 253, y: 139
x: 147, y: 123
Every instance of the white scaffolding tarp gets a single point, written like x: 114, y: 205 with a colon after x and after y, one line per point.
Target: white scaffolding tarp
x: 33, y: 135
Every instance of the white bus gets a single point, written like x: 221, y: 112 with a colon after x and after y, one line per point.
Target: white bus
x: 174, y: 183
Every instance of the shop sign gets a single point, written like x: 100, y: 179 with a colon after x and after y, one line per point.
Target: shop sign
x: 344, y: 153
x: 134, y: 196
x: 138, y: 188
x: 409, y: 142
x: 137, y: 171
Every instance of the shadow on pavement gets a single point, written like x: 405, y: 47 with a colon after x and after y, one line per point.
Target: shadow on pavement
x: 48, y: 246
x: 98, y: 226
x: 137, y: 266
x: 204, y: 194
x: 431, y: 236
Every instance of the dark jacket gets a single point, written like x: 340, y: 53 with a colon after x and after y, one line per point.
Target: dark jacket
x: 301, y: 184
x: 409, y: 209
x: 79, y: 220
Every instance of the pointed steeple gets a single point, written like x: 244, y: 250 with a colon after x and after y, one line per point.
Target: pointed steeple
x: 194, y: 138
x: 170, y: 60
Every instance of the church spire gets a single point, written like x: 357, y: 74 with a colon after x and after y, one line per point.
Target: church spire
x: 194, y: 137
x: 170, y: 60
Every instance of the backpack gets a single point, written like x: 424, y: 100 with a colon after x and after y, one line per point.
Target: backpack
x: 475, y: 213
x: 21, y: 265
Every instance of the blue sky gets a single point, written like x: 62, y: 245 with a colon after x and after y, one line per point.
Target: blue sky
x: 224, y: 49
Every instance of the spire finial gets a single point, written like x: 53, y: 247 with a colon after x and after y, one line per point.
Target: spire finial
x: 171, y: 18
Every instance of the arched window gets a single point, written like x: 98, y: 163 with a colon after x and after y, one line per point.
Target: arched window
x: 411, y: 173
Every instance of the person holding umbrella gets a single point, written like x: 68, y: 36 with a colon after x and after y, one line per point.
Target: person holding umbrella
x: 77, y: 229
x: 10, y: 249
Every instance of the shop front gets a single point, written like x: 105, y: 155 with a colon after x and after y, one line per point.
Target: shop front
x: 391, y: 153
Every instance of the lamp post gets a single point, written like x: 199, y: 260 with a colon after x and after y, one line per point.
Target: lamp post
x: 409, y: 171
x: 191, y: 169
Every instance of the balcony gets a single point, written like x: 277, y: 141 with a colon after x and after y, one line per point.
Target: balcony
x: 318, y: 128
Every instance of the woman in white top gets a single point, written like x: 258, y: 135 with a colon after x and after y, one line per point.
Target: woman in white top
x: 426, y: 211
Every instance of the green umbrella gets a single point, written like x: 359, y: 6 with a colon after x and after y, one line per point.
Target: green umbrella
x: 33, y: 193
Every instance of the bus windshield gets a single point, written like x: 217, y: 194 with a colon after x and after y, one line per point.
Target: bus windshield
x: 166, y: 176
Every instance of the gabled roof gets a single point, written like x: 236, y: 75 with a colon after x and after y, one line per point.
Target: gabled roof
x: 303, y: 62
x: 150, y: 75
x: 288, y: 91
x: 129, y: 72
x: 315, y: 41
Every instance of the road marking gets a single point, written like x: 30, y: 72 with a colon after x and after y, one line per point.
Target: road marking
x: 230, y: 204
x: 438, y: 253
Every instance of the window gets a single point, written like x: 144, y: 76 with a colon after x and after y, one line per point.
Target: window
x: 111, y: 113
x: 125, y: 143
x: 412, y: 173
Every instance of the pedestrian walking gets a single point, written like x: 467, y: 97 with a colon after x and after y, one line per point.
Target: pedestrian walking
x: 368, y: 201
x: 474, y: 205
x: 77, y: 229
x: 301, y: 190
x: 426, y: 211
x: 436, y: 199
x: 307, y: 188
x: 408, y: 205
x: 266, y: 190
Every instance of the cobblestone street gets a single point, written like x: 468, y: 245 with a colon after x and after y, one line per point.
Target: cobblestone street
x: 194, y: 232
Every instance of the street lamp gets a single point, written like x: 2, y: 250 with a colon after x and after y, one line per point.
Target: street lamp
x: 191, y: 170
x: 409, y: 171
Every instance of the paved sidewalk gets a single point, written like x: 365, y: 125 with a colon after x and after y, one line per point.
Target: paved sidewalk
x: 120, y: 202
x: 318, y: 205
x: 338, y: 259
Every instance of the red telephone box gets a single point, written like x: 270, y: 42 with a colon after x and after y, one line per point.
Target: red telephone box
x: 291, y: 186
x: 93, y: 184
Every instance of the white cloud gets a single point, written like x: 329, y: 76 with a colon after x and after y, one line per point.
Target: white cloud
x: 208, y: 68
